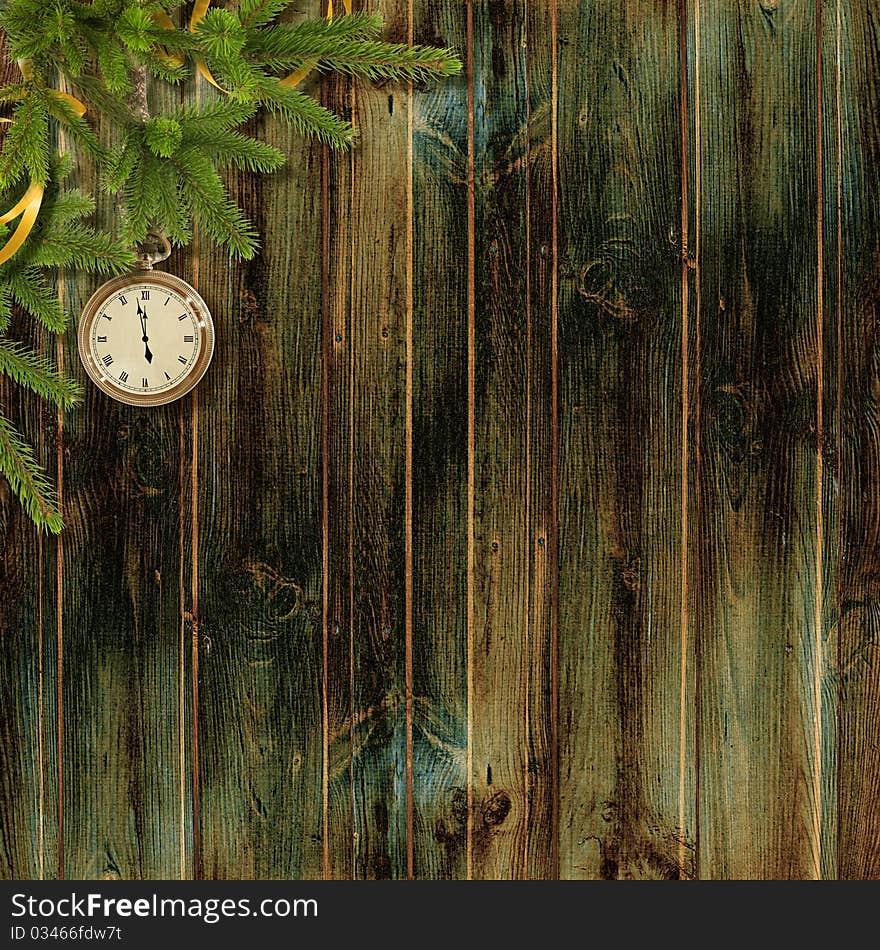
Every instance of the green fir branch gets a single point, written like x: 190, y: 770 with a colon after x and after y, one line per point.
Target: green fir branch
x: 212, y: 207
x: 233, y: 148
x: 257, y: 13
x: 35, y: 373
x: 306, y: 115
x: 30, y: 291
x: 21, y: 469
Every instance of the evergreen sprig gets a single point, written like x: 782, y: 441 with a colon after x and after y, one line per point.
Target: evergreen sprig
x: 167, y: 170
x: 27, y: 281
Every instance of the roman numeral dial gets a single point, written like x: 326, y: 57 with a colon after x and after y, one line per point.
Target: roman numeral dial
x: 146, y: 339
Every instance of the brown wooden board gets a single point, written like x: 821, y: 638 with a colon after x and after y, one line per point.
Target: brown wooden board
x: 28, y: 640
x: 524, y: 525
x: 763, y: 606
x: 378, y: 206
x: 852, y: 226
x: 439, y: 248
x: 337, y: 507
x: 256, y: 534
x: 625, y: 666
x: 510, y: 463
x: 28, y: 685
x: 124, y: 810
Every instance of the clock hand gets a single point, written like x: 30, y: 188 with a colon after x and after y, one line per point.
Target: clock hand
x: 148, y: 356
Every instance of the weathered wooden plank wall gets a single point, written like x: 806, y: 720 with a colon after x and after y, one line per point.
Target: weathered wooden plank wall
x: 525, y: 524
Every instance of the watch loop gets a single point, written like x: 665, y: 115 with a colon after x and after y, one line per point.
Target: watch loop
x: 154, y: 249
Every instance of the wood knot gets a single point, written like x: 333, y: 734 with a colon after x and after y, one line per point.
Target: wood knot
x: 734, y: 413
x: 496, y: 808
x: 281, y: 597
x: 249, y: 305
x: 460, y: 805
x: 631, y: 572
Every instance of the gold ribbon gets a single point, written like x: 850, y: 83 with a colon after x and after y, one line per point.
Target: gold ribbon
x: 28, y: 206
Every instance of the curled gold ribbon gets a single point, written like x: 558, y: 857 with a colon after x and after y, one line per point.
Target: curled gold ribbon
x: 28, y: 206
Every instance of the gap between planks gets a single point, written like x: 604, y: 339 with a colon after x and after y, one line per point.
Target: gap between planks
x: 408, y: 478
x: 685, y: 419
x: 527, y: 660
x: 553, y: 538
x: 471, y: 421
x: 820, y: 472
x: 59, y: 613
x: 839, y: 394
x: 697, y: 408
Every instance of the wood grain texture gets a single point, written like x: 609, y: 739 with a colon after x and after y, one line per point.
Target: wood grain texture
x: 524, y: 525
x: 258, y: 534
x: 542, y: 777
x: 368, y: 549
x: 28, y: 664
x: 116, y: 584
x: 851, y: 239
x: 627, y: 806
x: 379, y: 217
x: 28, y: 773
x: 337, y: 467
x: 439, y: 439
x: 763, y: 610
x: 511, y: 775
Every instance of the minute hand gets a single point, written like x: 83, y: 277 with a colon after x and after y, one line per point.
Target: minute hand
x: 148, y: 356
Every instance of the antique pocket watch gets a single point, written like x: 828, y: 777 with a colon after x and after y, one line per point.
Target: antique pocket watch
x: 146, y: 338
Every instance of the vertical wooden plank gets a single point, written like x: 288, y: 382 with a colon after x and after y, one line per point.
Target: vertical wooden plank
x: 759, y: 566
x: 851, y: 238
x: 337, y: 503
x: 117, y: 588
x: 28, y: 808
x: 258, y: 523
x: 439, y: 440
x: 28, y: 776
x: 542, y: 858
x: 375, y: 544
x: 626, y: 717
x: 829, y: 185
x: 511, y: 773
x: 501, y: 451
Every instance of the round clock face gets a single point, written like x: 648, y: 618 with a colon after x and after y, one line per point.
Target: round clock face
x: 146, y: 338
